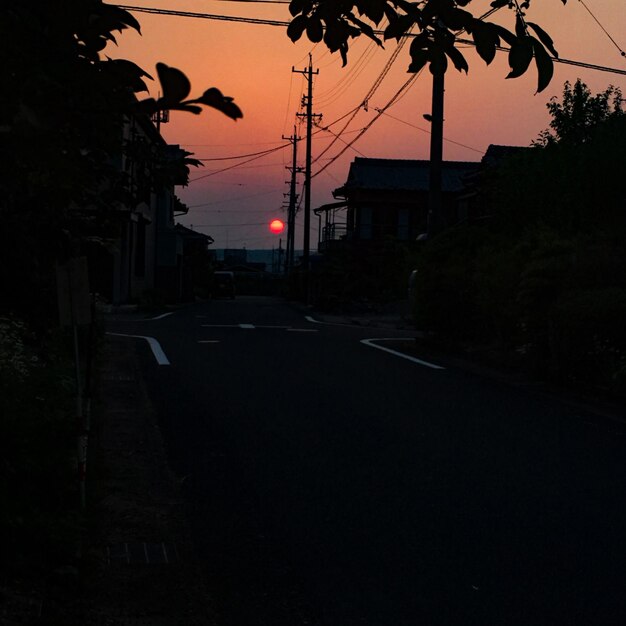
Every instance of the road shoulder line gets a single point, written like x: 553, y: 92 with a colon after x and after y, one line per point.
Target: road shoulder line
x: 371, y: 344
x: 155, y: 346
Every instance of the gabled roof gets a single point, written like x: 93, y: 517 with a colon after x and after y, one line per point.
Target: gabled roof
x: 188, y: 233
x: 402, y: 175
x: 496, y: 154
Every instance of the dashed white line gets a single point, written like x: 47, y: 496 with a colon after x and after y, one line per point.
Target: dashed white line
x: 155, y: 346
x: 208, y: 341
x: 371, y: 344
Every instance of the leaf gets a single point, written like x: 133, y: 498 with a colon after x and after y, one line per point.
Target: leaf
x: 127, y: 72
x: 438, y: 63
x: 297, y: 27
x: 420, y: 42
x: 520, y: 56
x: 520, y: 26
x: 214, y: 98
x: 486, y: 39
x: 503, y: 33
x: 498, y: 4
x: 174, y: 83
x: 457, y: 58
x: 457, y: 19
x: 366, y: 29
x: 297, y: 6
x: 545, y: 66
x: 418, y: 60
x: 399, y: 27
x: 545, y: 39
x: 343, y: 50
x: 121, y: 16
x: 314, y: 29
x: 374, y: 10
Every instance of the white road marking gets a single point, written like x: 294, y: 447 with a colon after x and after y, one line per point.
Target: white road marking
x: 208, y: 341
x: 243, y: 326
x: 370, y: 342
x: 159, y: 317
x: 221, y: 326
x: 308, y: 318
x: 155, y: 346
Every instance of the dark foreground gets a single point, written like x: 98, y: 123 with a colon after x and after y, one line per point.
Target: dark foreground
x: 330, y: 483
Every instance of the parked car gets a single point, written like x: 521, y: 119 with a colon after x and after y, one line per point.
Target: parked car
x: 223, y: 285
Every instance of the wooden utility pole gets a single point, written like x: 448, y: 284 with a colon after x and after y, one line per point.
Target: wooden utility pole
x: 293, y: 198
x: 435, y: 219
x: 307, y: 172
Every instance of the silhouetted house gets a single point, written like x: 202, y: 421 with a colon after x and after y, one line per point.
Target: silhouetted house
x: 197, y: 262
x: 474, y: 201
x: 142, y: 255
x: 388, y: 198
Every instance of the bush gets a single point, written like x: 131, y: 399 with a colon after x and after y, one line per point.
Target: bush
x: 38, y: 433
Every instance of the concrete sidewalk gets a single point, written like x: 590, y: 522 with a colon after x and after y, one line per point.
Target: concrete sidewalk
x: 138, y: 563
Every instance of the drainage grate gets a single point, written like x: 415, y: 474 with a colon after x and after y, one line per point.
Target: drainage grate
x: 142, y: 553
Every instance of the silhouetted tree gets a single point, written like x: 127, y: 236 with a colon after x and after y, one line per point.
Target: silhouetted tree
x: 62, y: 108
x: 440, y: 23
x: 576, y: 117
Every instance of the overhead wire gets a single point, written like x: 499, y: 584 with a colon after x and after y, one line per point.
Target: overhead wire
x: 284, y: 24
x: 606, y: 32
x: 425, y: 130
x: 390, y: 103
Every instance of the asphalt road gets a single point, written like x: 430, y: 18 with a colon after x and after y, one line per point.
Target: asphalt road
x: 334, y: 484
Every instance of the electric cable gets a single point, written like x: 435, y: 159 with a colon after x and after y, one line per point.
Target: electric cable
x: 283, y: 24
x: 606, y: 32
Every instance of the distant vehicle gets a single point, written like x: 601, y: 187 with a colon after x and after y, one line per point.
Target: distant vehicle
x: 223, y: 285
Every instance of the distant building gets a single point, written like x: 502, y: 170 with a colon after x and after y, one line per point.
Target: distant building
x: 388, y: 198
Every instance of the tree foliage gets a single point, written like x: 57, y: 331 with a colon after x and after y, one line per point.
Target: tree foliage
x: 576, y: 117
x: 439, y: 25
x: 545, y: 275
x: 62, y: 109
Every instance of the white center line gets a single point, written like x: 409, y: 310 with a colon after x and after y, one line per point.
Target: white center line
x: 208, y: 341
x: 371, y: 344
x: 248, y: 326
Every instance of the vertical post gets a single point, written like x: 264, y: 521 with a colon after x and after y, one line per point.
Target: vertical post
x: 307, y: 176
x: 435, y: 203
x: 307, y: 171
x: 291, y: 211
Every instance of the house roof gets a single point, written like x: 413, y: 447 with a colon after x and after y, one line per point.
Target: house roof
x: 496, y: 154
x: 188, y: 233
x: 402, y: 175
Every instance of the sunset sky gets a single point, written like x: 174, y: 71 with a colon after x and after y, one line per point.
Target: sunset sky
x: 253, y: 63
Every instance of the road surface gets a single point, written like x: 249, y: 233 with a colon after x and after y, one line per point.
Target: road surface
x: 335, y: 484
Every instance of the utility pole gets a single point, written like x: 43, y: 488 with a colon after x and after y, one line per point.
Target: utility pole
x: 293, y: 198
x: 307, y: 172
x: 435, y: 219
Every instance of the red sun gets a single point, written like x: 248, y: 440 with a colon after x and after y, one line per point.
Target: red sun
x: 277, y: 226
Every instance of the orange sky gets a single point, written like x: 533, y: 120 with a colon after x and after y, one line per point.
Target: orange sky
x: 253, y: 64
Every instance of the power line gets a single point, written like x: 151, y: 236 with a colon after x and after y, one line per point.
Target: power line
x: 391, y: 102
x: 425, y: 130
x: 604, y: 29
x: 230, y: 167
x: 283, y: 24
x: 241, y: 156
